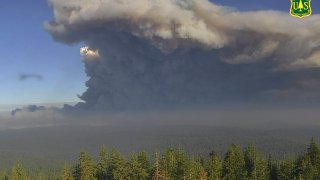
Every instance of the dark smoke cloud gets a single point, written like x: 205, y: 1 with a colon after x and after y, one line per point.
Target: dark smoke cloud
x: 166, y: 53
x: 24, y: 77
x: 30, y: 108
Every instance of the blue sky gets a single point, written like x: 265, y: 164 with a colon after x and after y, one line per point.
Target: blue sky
x: 25, y: 47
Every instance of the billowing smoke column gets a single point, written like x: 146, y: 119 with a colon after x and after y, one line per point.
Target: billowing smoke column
x: 150, y: 53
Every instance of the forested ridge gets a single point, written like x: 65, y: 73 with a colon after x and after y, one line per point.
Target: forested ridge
x: 174, y: 163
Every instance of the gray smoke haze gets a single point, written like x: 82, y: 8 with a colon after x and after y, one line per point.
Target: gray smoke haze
x: 164, y: 53
x: 246, y: 117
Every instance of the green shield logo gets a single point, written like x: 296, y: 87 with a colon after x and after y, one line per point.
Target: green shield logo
x: 300, y: 8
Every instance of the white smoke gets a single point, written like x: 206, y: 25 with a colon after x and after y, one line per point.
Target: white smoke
x: 89, y: 54
x: 171, y: 24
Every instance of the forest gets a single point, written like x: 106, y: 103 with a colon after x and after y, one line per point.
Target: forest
x: 174, y: 163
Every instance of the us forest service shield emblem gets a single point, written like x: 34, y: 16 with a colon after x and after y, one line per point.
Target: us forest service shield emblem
x: 300, y: 8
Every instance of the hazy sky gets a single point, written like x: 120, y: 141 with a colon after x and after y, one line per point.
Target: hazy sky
x: 26, y: 48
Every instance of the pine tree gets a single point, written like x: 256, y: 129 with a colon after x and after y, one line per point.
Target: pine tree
x: 272, y: 169
x: 144, y: 161
x: 234, y: 164
x: 169, y: 163
x: 305, y: 169
x: 66, y: 173
x: 199, y: 171
x: 262, y: 169
x: 287, y: 170
x: 117, y: 166
x: 18, y: 172
x: 136, y: 170
x: 103, y: 165
x: 182, y: 165
x: 214, y: 166
x: 158, y: 174
x: 314, y: 153
x: 85, y: 169
x: 195, y: 170
x: 256, y: 167
x: 251, y: 159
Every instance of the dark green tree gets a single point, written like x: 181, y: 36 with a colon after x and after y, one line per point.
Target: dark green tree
x: 136, y: 170
x: 305, y: 169
x: 169, y: 163
x: 308, y: 166
x: 182, y: 164
x: 118, y: 166
x: 214, y: 166
x: 233, y: 167
x: 143, y: 159
x: 256, y: 166
x: 197, y: 171
x: 85, y: 169
x: 314, y: 153
x: 272, y: 169
x: 287, y: 170
x: 191, y: 170
x: 103, y: 164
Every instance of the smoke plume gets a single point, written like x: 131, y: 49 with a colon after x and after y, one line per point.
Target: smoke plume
x: 24, y: 77
x: 156, y: 53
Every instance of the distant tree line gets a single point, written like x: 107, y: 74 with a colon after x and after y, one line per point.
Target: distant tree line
x: 175, y: 164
